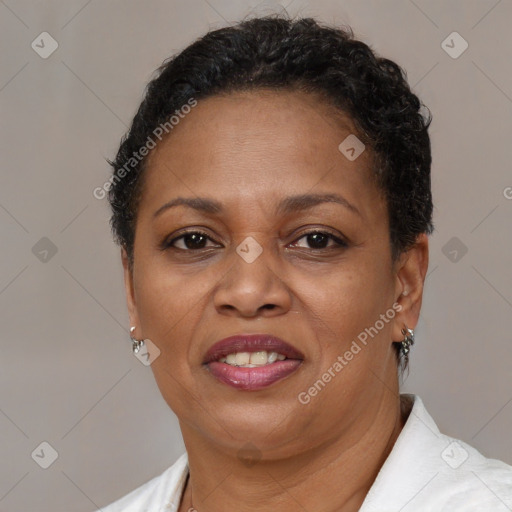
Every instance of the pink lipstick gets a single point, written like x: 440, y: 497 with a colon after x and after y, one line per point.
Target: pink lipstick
x: 252, y: 361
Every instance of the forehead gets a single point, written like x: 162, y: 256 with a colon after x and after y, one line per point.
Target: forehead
x: 255, y: 143
x: 259, y: 116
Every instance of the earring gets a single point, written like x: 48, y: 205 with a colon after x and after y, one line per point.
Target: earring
x: 408, y: 340
x: 136, y: 344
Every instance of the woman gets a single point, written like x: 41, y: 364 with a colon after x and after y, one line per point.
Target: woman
x: 272, y: 201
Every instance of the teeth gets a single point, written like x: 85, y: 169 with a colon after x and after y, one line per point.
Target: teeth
x: 272, y: 357
x: 259, y: 357
x: 252, y: 359
x: 242, y: 358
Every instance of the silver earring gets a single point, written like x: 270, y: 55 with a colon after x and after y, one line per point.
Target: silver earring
x: 408, y: 340
x: 136, y: 344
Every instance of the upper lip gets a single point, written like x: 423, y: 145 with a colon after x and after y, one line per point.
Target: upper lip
x: 251, y: 343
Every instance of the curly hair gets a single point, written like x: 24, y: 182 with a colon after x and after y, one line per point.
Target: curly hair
x: 284, y: 54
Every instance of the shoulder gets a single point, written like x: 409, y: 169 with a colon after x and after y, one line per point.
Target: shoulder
x: 162, y: 491
x: 430, y: 471
x: 469, y: 481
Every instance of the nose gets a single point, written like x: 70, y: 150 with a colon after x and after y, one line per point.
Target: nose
x: 252, y: 287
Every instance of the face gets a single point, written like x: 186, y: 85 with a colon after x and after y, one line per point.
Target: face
x: 190, y: 287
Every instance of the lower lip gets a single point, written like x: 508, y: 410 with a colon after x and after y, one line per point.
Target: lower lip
x: 251, y: 379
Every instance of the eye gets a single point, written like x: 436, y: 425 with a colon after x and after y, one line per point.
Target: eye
x: 197, y: 240
x: 190, y: 240
x: 318, y: 239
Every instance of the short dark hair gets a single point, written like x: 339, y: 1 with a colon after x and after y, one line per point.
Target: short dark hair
x: 284, y: 54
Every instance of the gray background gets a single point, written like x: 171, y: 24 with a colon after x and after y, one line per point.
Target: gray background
x: 67, y: 374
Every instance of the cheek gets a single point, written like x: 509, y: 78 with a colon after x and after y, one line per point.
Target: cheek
x: 166, y: 302
x: 169, y: 307
x: 349, y: 298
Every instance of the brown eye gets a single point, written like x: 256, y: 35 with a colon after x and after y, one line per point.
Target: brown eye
x: 320, y: 239
x: 190, y: 241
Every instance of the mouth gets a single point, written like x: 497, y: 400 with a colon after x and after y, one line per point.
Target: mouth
x: 252, y: 362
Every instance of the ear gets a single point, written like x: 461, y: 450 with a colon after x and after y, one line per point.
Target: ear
x: 130, y: 293
x: 411, y: 270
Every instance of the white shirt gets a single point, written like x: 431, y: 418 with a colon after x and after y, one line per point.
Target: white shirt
x: 426, y: 471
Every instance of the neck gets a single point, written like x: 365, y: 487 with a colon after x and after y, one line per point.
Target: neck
x: 333, y: 476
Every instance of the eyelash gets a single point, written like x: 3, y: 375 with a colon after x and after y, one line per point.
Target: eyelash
x: 339, y: 242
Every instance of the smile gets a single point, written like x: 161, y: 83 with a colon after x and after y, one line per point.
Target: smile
x: 252, y: 362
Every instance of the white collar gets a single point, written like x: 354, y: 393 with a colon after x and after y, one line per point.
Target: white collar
x: 426, y: 471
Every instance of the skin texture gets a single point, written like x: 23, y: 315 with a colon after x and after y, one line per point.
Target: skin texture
x: 249, y: 151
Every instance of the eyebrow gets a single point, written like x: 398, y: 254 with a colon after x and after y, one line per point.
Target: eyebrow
x: 288, y: 205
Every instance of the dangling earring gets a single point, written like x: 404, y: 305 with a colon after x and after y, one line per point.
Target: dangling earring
x: 136, y: 344
x: 407, y: 341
